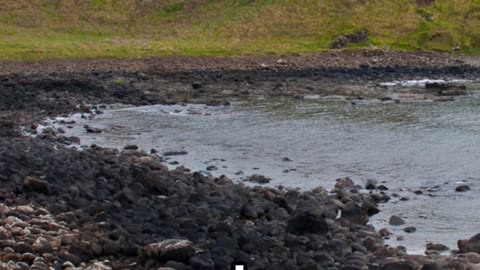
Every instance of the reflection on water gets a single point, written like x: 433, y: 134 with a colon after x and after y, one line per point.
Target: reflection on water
x: 413, y: 146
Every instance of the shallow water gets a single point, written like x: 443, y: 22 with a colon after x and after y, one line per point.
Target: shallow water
x: 410, y: 146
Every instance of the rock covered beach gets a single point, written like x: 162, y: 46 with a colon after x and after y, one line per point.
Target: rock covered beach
x: 101, y: 208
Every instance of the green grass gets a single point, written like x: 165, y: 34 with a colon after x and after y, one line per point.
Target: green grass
x: 46, y: 29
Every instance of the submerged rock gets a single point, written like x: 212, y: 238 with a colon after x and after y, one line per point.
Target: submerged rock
x: 396, y: 220
x: 175, y: 153
x: 462, y: 188
x: 410, y: 229
x: 212, y: 168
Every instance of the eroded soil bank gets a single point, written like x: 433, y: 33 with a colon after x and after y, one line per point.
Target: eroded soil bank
x: 101, y: 209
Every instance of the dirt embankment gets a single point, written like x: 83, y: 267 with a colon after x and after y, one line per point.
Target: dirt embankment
x: 342, y: 60
x: 103, y: 209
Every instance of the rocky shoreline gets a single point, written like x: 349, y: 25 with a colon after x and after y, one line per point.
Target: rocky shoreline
x: 104, y: 209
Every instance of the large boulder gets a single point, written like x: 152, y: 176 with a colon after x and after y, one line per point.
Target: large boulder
x: 470, y: 245
x: 355, y: 214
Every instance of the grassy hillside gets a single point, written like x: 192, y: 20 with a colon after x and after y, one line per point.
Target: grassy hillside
x: 37, y: 29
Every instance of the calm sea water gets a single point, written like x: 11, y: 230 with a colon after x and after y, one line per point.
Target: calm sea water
x: 423, y: 145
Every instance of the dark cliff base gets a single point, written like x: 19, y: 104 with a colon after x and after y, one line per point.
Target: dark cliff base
x: 99, y: 208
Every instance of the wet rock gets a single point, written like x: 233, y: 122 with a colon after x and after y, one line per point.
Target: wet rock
x: 410, y: 229
x: 131, y: 147
x: 171, y: 249
x: 370, y: 206
x: 310, y: 221
x: 462, y: 188
x: 175, y: 153
x: 385, y: 198
x: 396, y: 220
x: 33, y: 184
x: 286, y: 159
x: 437, y: 247
x: 93, y: 130
x: 382, y: 188
x: 74, y: 139
x: 470, y: 245
x: 355, y: 214
x: 346, y: 182
x: 371, y: 184
x: 259, y: 179
x: 212, y: 168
